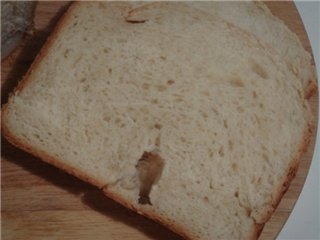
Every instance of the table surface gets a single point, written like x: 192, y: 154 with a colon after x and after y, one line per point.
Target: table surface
x: 40, y: 201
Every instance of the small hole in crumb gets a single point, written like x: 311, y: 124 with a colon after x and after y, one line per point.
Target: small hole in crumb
x: 183, y: 139
x: 234, y: 167
x: 230, y: 144
x: 240, y: 109
x: 204, y: 115
x: 170, y: 82
x: 106, y: 119
x: 254, y: 94
x: 259, y: 70
x: 221, y: 151
x: 155, y: 101
x: 161, y: 88
x: 158, y: 126
x: 259, y: 180
x: 66, y: 53
x: 225, y: 123
x: 206, y: 93
x: 236, y: 82
x: 145, y: 86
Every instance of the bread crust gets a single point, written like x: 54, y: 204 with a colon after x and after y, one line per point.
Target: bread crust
x: 284, y: 185
x: 256, y: 231
x: 45, y: 49
x: 46, y: 157
x: 258, y: 227
x: 312, y: 88
x: 150, y: 214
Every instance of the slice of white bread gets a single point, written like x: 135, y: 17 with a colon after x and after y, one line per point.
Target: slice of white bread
x: 256, y: 18
x: 204, y: 112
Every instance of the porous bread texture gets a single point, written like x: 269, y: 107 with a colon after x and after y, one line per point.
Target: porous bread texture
x: 228, y: 115
x: 256, y: 18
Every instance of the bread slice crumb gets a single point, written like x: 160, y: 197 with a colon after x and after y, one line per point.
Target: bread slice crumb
x: 223, y: 110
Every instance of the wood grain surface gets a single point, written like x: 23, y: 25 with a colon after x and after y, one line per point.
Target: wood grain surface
x: 40, y: 201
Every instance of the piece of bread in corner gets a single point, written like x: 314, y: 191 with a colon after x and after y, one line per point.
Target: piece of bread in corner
x: 173, y: 112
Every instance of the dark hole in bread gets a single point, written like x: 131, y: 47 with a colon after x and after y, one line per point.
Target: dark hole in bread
x: 135, y: 21
x: 150, y: 167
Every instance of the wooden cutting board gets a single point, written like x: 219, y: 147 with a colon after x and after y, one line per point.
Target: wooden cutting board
x: 42, y: 202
